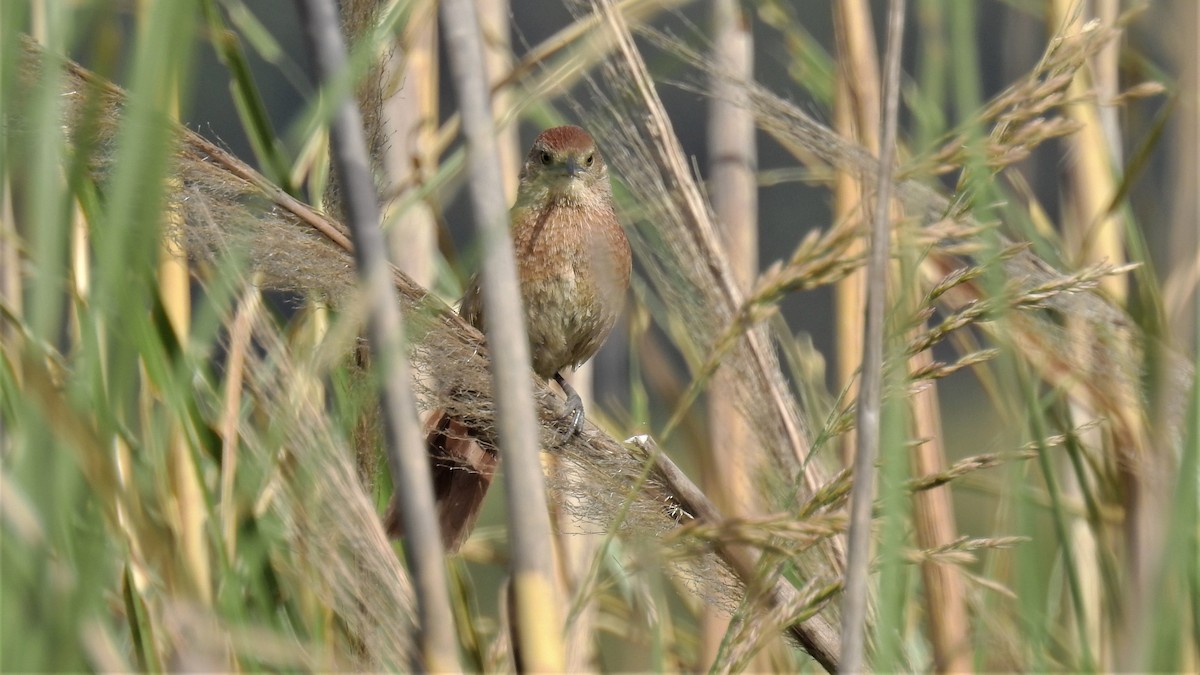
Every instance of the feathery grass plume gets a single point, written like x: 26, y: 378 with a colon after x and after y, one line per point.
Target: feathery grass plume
x: 1104, y: 368
x: 678, y: 247
x: 336, y: 546
x: 677, y: 241
x: 1099, y: 364
x: 685, y: 265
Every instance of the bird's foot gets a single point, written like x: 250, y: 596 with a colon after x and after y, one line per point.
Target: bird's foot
x: 573, y: 406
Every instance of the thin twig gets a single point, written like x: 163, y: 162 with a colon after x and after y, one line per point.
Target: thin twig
x: 407, y: 461
x: 539, y: 628
x: 815, y: 634
x: 854, y: 603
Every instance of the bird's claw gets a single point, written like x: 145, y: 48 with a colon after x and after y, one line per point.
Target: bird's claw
x: 573, y: 407
x: 574, y: 410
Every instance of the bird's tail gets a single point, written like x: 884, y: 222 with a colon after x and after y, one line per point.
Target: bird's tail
x: 462, y: 472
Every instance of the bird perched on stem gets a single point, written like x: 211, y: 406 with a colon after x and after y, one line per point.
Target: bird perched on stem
x: 573, y: 264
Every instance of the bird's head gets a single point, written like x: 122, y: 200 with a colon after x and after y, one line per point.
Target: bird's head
x: 563, y: 166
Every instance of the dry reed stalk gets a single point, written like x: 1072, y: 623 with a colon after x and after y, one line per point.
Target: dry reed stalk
x: 854, y: 599
x: 1094, y: 232
x: 409, y: 119
x: 537, y: 644
x: 933, y: 514
x: 407, y: 460
x: 934, y: 523
x: 811, y: 630
x: 235, y: 363
x: 577, y: 545
x: 1180, y: 290
x: 1091, y: 234
x: 495, y: 23
x: 856, y: 116
x: 574, y: 548
x: 733, y: 190
x: 174, y: 288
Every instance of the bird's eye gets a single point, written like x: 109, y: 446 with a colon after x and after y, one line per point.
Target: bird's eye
x: 546, y: 158
x: 589, y: 160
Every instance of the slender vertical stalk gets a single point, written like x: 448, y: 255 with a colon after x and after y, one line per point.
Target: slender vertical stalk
x: 934, y: 526
x: 1184, y: 236
x: 733, y: 188
x: 1095, y: 234
x: 409, y: 118
x: 538, y: 625
x: 856, y: 115
x: 405, y: 450
x: 495, y: 25
x: 175, y: 293
x: 854, y: 604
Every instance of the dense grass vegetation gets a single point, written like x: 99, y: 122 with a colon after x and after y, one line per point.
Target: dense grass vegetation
x: 191, y: 462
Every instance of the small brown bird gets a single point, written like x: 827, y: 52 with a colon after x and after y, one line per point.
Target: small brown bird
x: 573, y: 263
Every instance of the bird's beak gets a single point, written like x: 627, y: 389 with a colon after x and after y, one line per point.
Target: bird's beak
x: 573, y: 168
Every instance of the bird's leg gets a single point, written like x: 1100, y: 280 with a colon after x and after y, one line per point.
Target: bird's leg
x: 574, y: 405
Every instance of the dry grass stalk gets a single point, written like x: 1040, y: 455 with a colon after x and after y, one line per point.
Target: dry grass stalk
x: 409, y: 117
x: 733, y: 190
x: 495, y: 22
x: 190, y: 513
x: 856, y: 116
x: 689, y: 503
x: 1093, y: 234
x: 856, y: 111
x: 855, y: 615
x: 404, y: 446
x: 934, y: 522
x: 1182, y: 285
x: 537, y: 642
